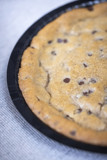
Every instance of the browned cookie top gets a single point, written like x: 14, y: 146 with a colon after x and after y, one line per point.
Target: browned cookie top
x: 63, y: 74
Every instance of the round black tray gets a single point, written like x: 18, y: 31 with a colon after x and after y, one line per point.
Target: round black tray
x: 12, y: 77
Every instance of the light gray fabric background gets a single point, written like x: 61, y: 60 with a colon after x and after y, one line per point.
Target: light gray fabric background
x: 18, y: 139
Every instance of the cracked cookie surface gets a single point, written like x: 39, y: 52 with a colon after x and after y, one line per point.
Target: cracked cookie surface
x: 63, y: 74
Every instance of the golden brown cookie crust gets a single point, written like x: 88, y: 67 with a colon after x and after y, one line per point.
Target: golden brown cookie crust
x: 63, y: 74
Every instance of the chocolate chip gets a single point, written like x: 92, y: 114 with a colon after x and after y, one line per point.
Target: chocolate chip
x: 90, y: 91
x: 31, y: 53
x: 26, y: 77
x: 85, y: 65
x: 73, y: 133
x: 79, y: 110
x: 59, y: 40
x: 99, y: 39
x: 67, y: 116
x: 89, y: 54
x: 101, y: 49
x: 94, y: 31
x: 53, y: 53
x: 101, y: 104
x: 81, y: 82
x: 50, y: 41
x: 86, y: 93
x: 38, y: 99
x: 90, y: 8
x: 40, y: 64
x: 66, y: 80
x: 65, y: 40
x: 89, y: 112
x: 93, y: 80
x: 32, y: 47
x: 105, y: 30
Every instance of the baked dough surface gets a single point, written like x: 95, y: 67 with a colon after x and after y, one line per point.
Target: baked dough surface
x: 63, y: 74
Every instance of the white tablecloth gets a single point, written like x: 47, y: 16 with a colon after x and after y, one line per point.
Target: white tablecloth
x: 18, y: 139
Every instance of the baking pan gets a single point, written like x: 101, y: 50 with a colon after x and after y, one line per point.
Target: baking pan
x: 12, y: 77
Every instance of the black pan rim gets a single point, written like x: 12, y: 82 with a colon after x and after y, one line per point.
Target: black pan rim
x: 12, y: 78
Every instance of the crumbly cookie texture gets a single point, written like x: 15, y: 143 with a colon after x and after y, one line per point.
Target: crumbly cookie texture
x: 63, y: 74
